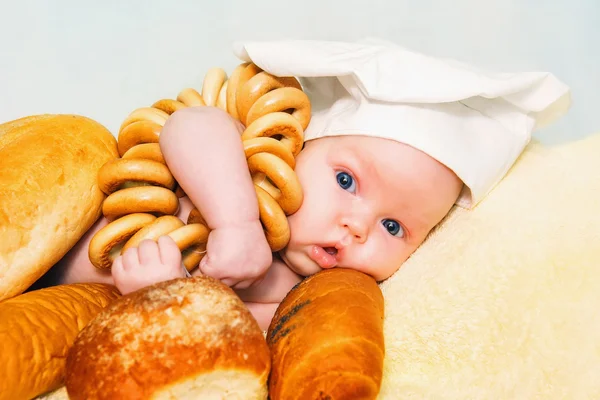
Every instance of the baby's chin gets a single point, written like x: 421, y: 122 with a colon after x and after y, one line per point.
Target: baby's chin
x: 299, y: 262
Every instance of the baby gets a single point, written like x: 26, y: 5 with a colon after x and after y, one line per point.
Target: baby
x: 386, y: 157
x: 368, y: 204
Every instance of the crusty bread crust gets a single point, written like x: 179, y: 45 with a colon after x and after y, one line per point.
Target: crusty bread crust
x: 36, y: 331
x: 164, y: 335
x: 49, y: 195
x: 326, y: 339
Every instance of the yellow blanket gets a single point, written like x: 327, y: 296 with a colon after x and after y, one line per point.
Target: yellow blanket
x: 501, y: 302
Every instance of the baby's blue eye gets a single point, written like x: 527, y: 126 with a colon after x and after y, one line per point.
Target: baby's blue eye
x: 393, y: 227
x: 345, y: 181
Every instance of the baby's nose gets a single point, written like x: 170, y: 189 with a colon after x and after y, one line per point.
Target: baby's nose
x: 357, y: 230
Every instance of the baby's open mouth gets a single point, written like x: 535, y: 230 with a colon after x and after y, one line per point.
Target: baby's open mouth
x: 324, y: 256
x: 330, y: 250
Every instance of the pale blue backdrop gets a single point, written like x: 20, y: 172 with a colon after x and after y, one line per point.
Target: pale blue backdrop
x: 103, y: 59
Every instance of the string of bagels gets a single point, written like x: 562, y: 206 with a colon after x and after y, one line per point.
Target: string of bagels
x: 142, y: 194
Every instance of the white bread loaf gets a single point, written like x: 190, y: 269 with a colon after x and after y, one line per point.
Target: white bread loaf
x: 188, y: 338
x: 326, y: 339
x: 37, y: 330
x: 49, y: 195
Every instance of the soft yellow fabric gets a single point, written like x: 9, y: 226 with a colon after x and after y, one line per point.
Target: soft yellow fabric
x: 503, y: 301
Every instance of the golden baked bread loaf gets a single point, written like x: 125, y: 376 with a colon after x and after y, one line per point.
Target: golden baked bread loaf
x: 326, y: 339
x: 49, y: 194
x: 36, y: 331
x: 188, y: 338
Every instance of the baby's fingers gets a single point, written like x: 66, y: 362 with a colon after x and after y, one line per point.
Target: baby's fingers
x: 148, y: 252
x: 130, y: 259
x: 117, y: 267
x: 169, y: 252
x: 119, y: 274
x: 207, y: 267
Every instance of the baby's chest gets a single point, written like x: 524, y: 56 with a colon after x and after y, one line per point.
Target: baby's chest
x: 278, y: 281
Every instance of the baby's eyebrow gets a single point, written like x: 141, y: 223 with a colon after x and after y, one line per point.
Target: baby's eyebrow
x: 371, y: 175
x: 369, y: 167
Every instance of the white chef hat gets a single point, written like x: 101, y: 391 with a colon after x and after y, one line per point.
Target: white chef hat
x: 475, y: 122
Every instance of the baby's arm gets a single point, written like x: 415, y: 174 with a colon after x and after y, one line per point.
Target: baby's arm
x: 203, y: 150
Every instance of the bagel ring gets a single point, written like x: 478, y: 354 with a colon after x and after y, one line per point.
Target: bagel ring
x: 138, y: 132
x: 155, y: 229
x: 232, y: 86
x: 191, y: 240
x: 213, y: 83
x: 146, y: 113
x: 104, y: 246
x: 278, y: 124
x: 282, y: 99
x: 146, y: 151
x: 195, y: 217
x: 114, y: 174
x: 269, y: 145
x: 273, y: 219
x: 286, y: 190
x: 169, y: 105
x: 140, y: 199
x: 190, y: 97
x: 256, y: 87
x: 185, y: 237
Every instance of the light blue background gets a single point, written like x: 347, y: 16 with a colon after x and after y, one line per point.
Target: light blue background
x: 103, y: 59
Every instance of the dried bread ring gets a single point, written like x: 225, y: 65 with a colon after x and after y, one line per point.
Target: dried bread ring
x: 222, y: 99
x: 232, y: 87
x: 286, y: 189
x: 186, y: 237
x: 211, y: 87
x: 141, y: 199
x: 146, y: 114
x: 190, y: 97
x: 159, y: 227
x: 138, y: 132
x: 195, y: 217
x: 256, y: 87
x: 271, y: 146
x: 145, y: 151
x: 282, y: 99
x: 151, y: 151
x: 179, y: 192
x: 277, y: 124
x: 106, y: 244
x: 273, y: 219
x: 169, y: 105
x: 191, y: 240
x: 116, y: 173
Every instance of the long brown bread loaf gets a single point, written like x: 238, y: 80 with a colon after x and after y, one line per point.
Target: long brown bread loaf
x: 326, y: 339
x: 38, y: 328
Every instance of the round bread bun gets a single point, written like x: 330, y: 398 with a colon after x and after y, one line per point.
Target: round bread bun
x: 188, y: 338
x: 49, y: 194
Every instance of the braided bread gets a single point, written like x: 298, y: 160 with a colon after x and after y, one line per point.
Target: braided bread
x: 143, y: 195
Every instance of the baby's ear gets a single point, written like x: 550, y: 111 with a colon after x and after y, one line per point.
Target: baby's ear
x: 511, y: 285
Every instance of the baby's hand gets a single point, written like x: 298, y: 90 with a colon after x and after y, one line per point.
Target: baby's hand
x: 147, y: 264
x: 238, y: 256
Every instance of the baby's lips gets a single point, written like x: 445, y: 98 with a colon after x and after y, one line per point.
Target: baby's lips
x: 323, y: 258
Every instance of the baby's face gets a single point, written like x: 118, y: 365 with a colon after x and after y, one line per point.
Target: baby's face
x: 368, y: 204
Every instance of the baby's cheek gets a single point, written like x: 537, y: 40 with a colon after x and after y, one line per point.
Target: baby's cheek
x: 380, y: 261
